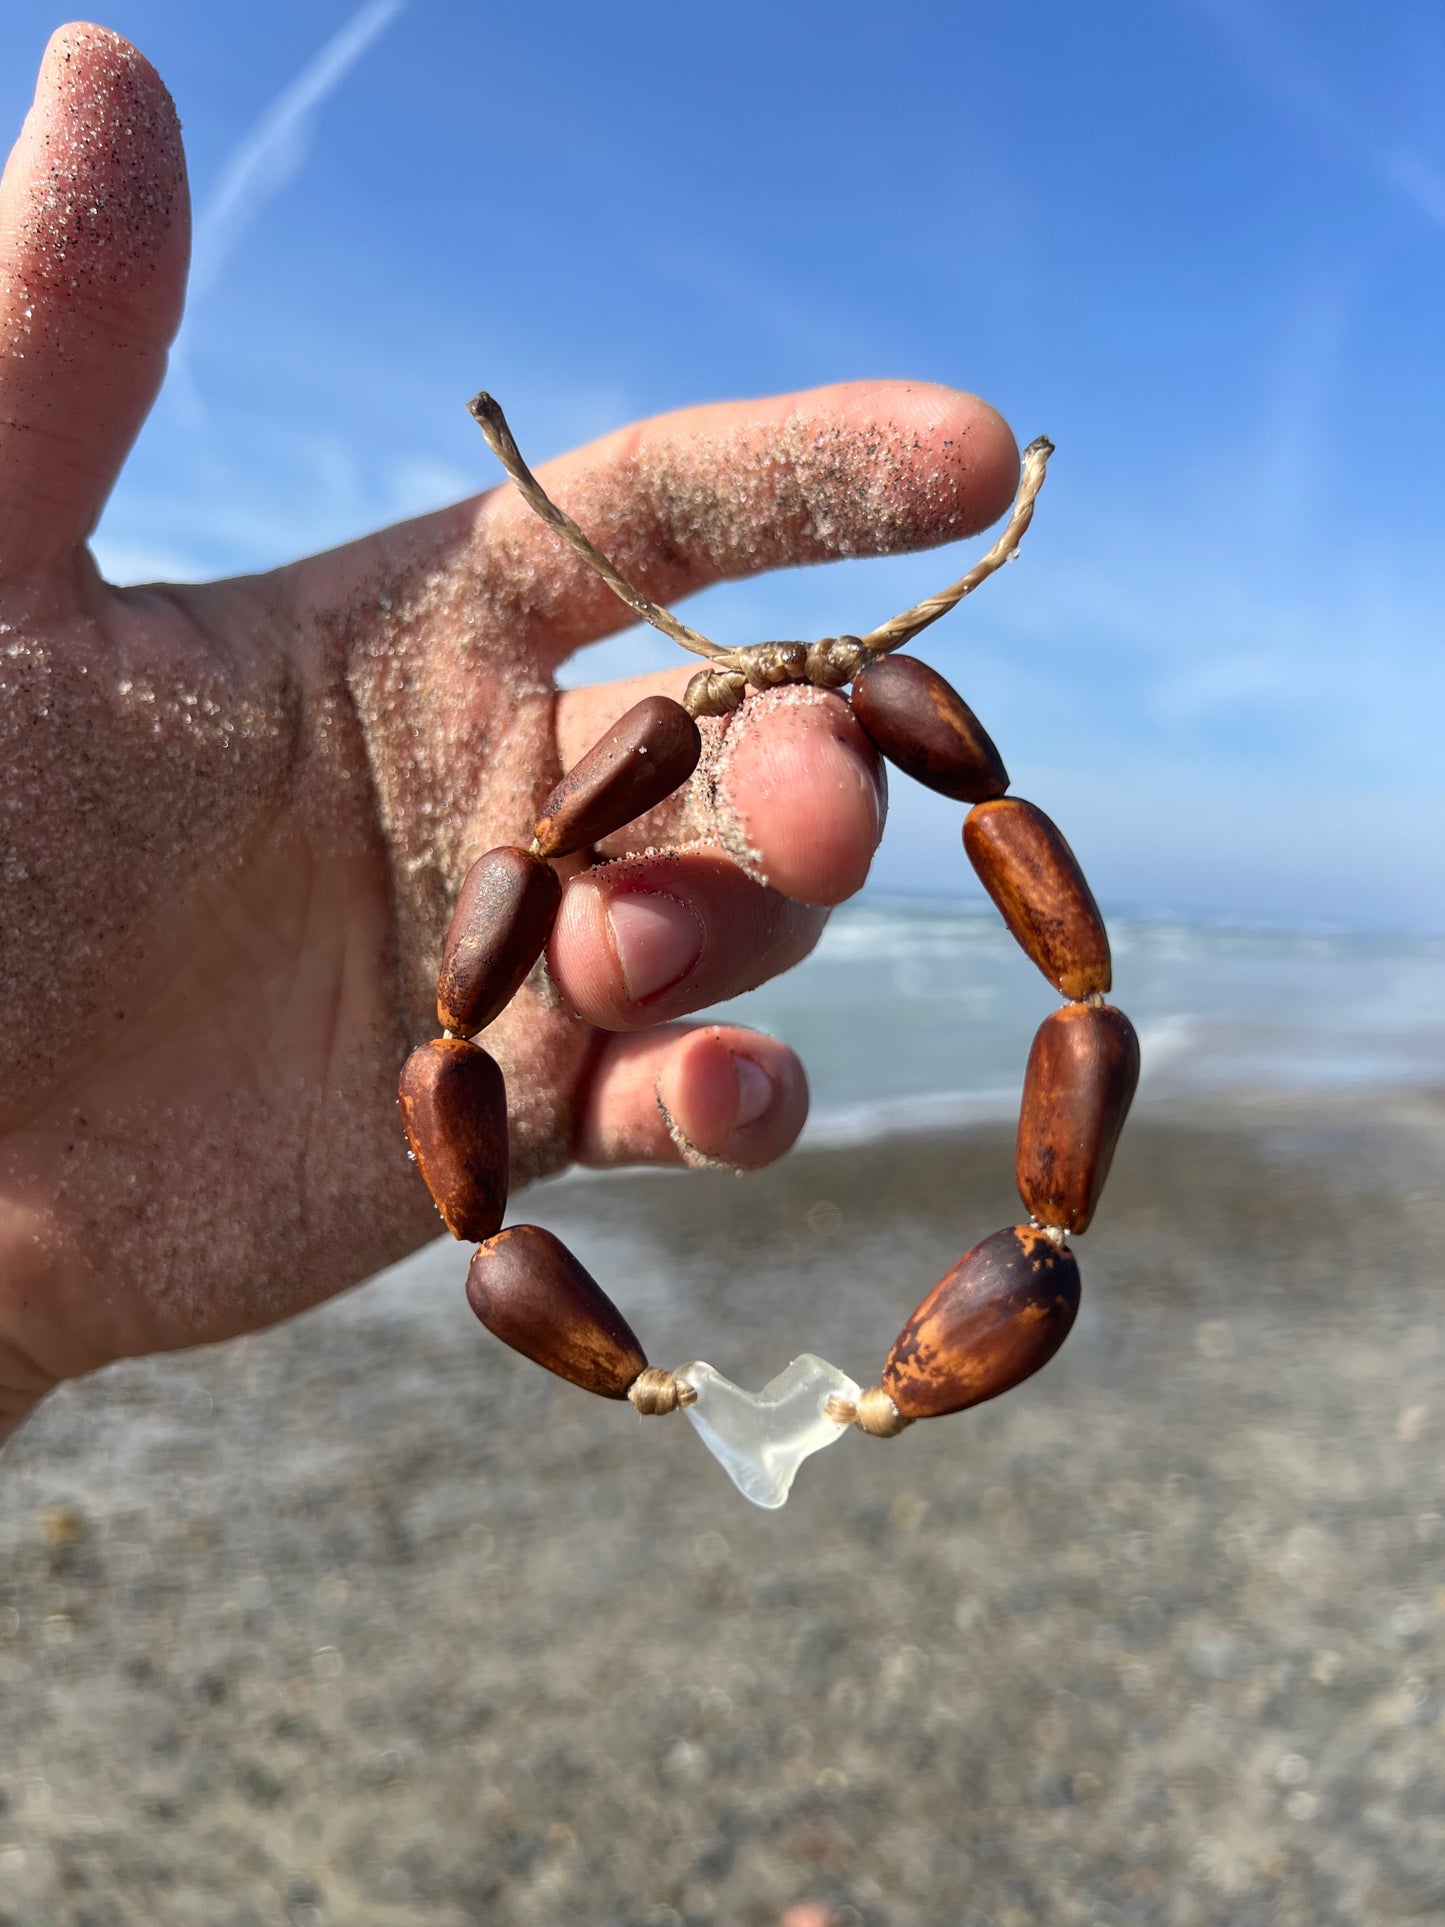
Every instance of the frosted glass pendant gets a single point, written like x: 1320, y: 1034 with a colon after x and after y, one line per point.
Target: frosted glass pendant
x: 761, y: 1438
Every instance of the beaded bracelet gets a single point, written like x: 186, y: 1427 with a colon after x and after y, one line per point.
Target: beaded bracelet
x: 1008, y: 1304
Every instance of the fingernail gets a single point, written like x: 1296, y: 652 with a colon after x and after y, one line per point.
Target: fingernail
x: 755, y: 1091
x: 657, y: 940
x: 874, y: 784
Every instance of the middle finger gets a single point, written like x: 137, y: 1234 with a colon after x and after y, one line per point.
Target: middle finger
x: 646, y: 939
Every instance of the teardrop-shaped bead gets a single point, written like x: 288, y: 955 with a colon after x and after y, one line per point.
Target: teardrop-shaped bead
x: 504, y: 916
x: 1080, y: 1082
x: 1000, y: 1313
x: 529, y: 1291
x: 920, y: 722
x: 453, y: 1101
x: 1034, y: 878
x: 644, y: 757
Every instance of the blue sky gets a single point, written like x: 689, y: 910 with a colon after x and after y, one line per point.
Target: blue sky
x: 1200, y: 244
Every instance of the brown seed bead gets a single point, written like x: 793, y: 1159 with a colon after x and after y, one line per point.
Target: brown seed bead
x: 500, y: 927
x: 454, y: 1105
x: 1078, y: 1087
x: 1001, y: 1313
x: 529, y: 1291
x: 644, y: 757
x: 1034, y: 878
x: 921, y: 723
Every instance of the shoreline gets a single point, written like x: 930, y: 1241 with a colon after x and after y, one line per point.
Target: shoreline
x: 367, y: 1617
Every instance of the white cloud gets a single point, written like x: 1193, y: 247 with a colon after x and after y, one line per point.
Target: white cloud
x: 274, y: 150
x: 1312, y: 101
x: 1225, y: 683
x: 1418, y: 181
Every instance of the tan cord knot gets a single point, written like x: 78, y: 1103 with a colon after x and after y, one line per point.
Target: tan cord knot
x: 1055, y: 1233
x: 875, y: 1413
x: 715, y: 692
x: 835, y: 661
x: 767, y: 663
x: 829, y: 664
x: 655, y: 1392
x: 878, y: 1416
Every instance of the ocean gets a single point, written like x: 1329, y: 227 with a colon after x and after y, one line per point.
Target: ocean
x: 365, y: 1618
x: 917, y: 1013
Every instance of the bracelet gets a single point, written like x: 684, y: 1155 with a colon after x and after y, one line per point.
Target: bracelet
x: 1008, y: 1304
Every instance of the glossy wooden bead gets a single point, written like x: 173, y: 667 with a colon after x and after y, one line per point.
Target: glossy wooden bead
x: 454, y: 1106
x: 529, y: 1291
x: 644, y: 757
x: 1034, y: 878
x: 500, y: 927
x: 1080, y: 1082
x: 1000, y: 1313
x: 922, y: 724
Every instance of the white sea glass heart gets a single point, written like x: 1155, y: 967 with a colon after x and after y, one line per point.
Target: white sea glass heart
x: 761, y: 1438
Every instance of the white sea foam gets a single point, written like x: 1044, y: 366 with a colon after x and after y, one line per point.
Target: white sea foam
x: 917, y: 1019
x: 918, y: 1015
x: 863, y: 1123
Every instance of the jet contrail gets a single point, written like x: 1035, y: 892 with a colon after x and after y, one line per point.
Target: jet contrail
x: 275, y: 148
x: 1311, y: 100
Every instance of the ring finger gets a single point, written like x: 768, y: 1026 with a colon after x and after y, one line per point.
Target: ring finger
x: 683, y: 1094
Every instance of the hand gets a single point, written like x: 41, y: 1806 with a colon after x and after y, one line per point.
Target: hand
x: 234, y: 817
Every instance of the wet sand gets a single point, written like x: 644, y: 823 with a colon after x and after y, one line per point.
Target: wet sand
x: 367, y: 1621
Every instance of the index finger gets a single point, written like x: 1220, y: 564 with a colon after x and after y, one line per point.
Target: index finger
x: 723, y: 491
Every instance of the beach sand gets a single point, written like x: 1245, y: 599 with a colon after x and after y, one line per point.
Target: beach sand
x: 367, y: 1621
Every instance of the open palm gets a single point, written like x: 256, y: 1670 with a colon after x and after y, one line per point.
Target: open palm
x: 234, y: 816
